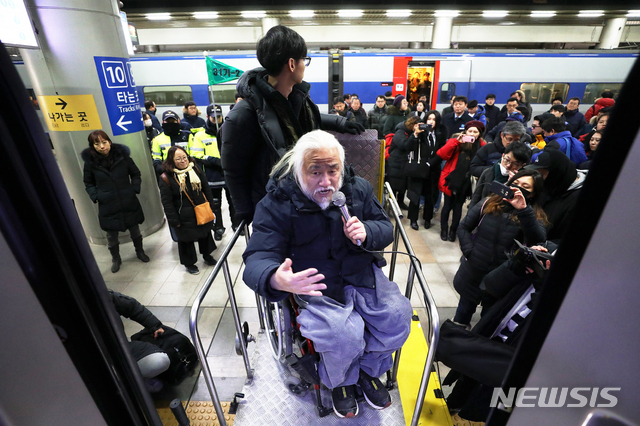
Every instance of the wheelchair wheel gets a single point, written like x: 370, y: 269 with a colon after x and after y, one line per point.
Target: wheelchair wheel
x: 276, y: 319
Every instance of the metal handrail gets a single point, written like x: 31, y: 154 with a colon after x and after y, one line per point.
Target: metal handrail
x: 193, y: 323
x: 416, y: 270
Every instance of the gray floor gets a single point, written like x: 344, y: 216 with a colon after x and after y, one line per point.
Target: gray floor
x: 164, y: 286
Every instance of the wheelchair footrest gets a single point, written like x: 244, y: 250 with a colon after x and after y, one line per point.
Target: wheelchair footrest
x: 305, y: 366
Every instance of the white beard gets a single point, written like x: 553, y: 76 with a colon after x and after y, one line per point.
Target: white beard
x: 326, y: 201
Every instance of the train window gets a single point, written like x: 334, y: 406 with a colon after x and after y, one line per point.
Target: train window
x: 447, y: 91
x: 223, y: 93
x: 168, y: 95
x: 594, y: 91
x: 543, y: 93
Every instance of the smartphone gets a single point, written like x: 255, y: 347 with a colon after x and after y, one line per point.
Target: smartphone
x: 502, y: 190
x: 468, y: 139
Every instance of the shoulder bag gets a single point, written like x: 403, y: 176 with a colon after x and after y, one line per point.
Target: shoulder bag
x: 203, y: 211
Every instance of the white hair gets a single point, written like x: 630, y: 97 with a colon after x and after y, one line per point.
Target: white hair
x: 293, y: 161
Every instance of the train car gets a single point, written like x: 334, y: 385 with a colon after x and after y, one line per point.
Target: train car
x: 170, y: 80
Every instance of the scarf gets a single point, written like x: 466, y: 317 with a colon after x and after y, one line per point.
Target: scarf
x: 458, y: 181
x: 181, y: 175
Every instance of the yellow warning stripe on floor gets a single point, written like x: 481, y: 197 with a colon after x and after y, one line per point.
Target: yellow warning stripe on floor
x: 200, y: 413
x: 412, y: 360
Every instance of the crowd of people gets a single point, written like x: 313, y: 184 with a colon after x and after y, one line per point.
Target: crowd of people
x: 280, y: 170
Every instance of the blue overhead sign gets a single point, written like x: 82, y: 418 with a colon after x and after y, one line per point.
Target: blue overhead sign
x: 120, y: 94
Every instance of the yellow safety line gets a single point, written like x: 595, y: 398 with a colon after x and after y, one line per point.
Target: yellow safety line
x: 412, y: 360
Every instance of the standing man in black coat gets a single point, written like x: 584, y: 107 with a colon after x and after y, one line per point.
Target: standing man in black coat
x: 491, y: 111
x: 455, y: 121
x: 112, y: 179
x: 274, y: 113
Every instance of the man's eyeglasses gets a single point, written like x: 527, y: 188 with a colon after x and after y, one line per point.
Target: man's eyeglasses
x: 307, y: 61
x: 535, y: 126
x: 506, y: 162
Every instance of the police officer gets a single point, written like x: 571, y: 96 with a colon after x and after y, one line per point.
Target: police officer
x: 173, y: 134
x: 205, y: 148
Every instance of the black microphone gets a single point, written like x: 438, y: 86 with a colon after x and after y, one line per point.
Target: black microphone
x: 338, y: 199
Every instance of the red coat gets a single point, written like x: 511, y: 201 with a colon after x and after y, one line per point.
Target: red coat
x: 600, y: 103
x: 449, y: 152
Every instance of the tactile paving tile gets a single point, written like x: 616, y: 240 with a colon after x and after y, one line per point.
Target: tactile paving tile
x: 459, y: 421
x: 200, y: 413
x: 268, y: 402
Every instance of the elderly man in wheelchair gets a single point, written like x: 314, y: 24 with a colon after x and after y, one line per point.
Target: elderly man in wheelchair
x: 301, y: 245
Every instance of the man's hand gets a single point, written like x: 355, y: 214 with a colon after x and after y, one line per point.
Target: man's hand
x: 353, y: 128
x: 354, y: 230
x: 158, y: 333
x: 303, y: 282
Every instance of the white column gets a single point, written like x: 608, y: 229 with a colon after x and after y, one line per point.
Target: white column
x: 268, y: 23
x: 441, y: 38
x: 611, y: 33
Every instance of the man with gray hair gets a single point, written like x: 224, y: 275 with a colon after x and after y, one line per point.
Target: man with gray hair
x: 301, y: 245
x: 492, y: 152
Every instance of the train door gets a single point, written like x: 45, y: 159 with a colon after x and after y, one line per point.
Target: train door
x: 453, y: 79
x: 420, y: 82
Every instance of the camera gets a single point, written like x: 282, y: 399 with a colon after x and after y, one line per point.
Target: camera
x: 424, y: 127
x: 468, y: 139
x: 530, y: 258
x: 502, y: 190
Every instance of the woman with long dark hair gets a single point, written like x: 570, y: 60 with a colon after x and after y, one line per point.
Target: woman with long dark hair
x: 112, y: 179
x: 488, y: 230
x: 455, y: 181
x: 182, y: 187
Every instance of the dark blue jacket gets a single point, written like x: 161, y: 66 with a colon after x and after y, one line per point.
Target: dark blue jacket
x: 287, y: 224
x: 576, y: 121
x: 559, y: 141
x: 486, y: 157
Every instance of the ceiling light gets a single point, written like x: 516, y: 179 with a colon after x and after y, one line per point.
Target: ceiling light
x: 254, y: 14
x: 350, y: 13
x: 590, y: 13
x: 495, y: 13
x: 158, y: 16
x: 398, y: 13
x: 205, y: 15
x: 634, y: 13
x: 543, y: 14
x: 301, y: 13
x: 447, y: 13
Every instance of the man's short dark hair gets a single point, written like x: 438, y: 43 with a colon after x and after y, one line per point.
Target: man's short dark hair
x: 558, y: 98
x: 189, y: 103
x: 346, y: 96
x: 520, y: 151
x: 238, y: 95
x: 511, y: 99
x: 388, y: 93
x: 380, y: 97
x: 148, y: 104
x: 460, y: 99
x: 490, y: 96
x: 560, y: 108
x: 556, y: 124
x: 574, y: 99
x: 513, y: 94
x: 607, y: 94
x: 279, y: 45
x: 338, y: 100
x: 472, y: 104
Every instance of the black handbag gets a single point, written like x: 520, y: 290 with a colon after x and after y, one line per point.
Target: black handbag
x: 413, y: 168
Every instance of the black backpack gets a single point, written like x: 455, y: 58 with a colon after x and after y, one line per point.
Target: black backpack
x: 178, y: 347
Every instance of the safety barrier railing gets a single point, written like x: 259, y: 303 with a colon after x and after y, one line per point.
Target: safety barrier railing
x: 415, y: 270
x: 193, y: 323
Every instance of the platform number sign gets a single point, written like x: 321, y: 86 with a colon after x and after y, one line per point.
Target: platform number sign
x: 120, y: 94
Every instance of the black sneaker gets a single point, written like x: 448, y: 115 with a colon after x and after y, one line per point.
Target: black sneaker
x: 217, y: 235
x: 374, y: 391
x: 193, y: 269
x: 209, y: 260
x: 344, y: 401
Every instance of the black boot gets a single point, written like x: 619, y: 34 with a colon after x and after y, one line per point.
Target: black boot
x: 115, y: 258
x: 137, y: 243
x: 452, y: 235
x: 444, y: 233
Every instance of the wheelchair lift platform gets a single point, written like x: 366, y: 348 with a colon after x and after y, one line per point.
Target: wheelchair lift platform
x: 268, y: 400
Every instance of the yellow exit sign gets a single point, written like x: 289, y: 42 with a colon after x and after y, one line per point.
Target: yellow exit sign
x: 68, y: 113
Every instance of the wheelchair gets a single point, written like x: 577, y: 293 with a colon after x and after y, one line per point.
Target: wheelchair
x: 293, y: 350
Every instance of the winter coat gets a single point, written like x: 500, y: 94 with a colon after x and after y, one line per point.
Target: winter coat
x: 361, y: 117
x: 559, y: 209
x: 155, y: 121
x: 576, y: 121
x: 559, y: 141
x: 151, y: 132
x: 480, y: 116
x: 485, y: 249
x: 192, y: 122
x: 377, y: 117
x: 491, y: 112
x: 453, y: 124
x: 129, y: 307
x: 483, y: 186
x: 288, y: 224
x: 422, y: 116
x: 449, y: 152
x: 114, y: 189
x: 398, y: 152
x: 600, y: 103
x: 428, y: 155
x: 179, y: 210
x: 395, y: 116
x: 486, y: 157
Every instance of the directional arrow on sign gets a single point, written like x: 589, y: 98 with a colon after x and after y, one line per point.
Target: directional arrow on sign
x: 121, y: 123
x: 62, y: 102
